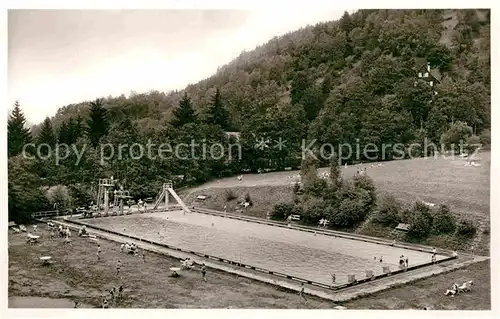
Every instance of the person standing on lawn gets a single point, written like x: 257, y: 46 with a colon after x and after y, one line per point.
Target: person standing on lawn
x: 301, y: 292
x: 118, y: 266
x: 99, y: 252
x: 204, y: 272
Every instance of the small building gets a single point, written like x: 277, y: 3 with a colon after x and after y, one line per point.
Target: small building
x: 431, y: 75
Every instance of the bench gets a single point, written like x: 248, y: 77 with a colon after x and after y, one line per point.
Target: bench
x: 402, y: 227
x: 295, y: 217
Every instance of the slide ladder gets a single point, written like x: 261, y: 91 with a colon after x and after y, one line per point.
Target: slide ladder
x: 164, y: 193
x: 159, y: 198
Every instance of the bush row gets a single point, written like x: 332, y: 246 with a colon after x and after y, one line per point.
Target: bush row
x: 423, y: 220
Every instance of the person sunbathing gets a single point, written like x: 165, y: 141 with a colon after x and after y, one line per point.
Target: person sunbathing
x: 188, y: 263
x: 67, y: 241
x: 453, y: 291
x: 132, y: 249
x: 82, y: 232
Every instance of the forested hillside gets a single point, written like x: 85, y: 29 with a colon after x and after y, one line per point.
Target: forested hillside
x: 343, y: 81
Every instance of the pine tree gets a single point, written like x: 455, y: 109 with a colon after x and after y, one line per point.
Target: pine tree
x: 184, y: 113
x: 217, y: 113
x: 346, y: 23
x: 46, y: 135
x: 63, y: 134
x: 17, y: 134
x: 98, y: 124
x: 74, y: 130
x: 309, y: 170
x: 79, y: 126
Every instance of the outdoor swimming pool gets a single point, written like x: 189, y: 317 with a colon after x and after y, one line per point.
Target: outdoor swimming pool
x: 289, y: 251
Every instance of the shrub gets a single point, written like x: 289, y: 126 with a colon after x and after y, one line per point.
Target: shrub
x: 230, y: 195
x: 365, y: 182
x: 316, y: 187
x: 405, y: 215
x: 59, y: 195
x: 281, y: 211
x: 313, y: 210
x: 485, y: 138
x: 420, y: 221
x: 354, y: 205
x: 466, y: 228
x: 472, y: 143
x: 388, y: 211
x: 443, y: 222
x: 459, y: 131
x: 349, y: 213
x: 296, y: 188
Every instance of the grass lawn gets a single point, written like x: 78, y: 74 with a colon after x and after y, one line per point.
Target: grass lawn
x: 465, y: 190
x: 430, y: 293
x: 77, y: 274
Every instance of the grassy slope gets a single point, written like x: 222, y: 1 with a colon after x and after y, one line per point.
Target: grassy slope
x: 440, y: 181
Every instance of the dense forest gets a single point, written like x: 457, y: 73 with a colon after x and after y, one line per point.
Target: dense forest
x: 355, y: 80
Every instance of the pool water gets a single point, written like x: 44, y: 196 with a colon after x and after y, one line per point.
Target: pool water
x: 293, y: 252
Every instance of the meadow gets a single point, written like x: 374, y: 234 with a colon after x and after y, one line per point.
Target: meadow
x: 440, y: 180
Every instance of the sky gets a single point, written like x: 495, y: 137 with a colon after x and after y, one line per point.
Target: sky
x: 59, y: 57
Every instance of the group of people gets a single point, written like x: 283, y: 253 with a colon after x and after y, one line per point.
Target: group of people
x: 403, y: 262
x: 115, y: 296
x: 434, y: 254
x: 63, y: 232
x: 455, y: 288
x: 188, y: 263
x: 129, y: 248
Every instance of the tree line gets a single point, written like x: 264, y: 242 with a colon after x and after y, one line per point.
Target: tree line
x: 348, y: 81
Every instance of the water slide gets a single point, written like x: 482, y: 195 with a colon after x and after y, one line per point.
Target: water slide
x: 178, y: 199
